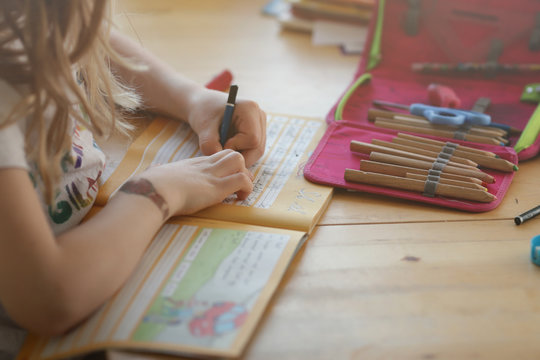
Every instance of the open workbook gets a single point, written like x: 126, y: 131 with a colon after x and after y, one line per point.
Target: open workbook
x: 204, y: 281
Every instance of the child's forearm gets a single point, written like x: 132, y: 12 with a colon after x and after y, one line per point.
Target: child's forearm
x: 48, y: 285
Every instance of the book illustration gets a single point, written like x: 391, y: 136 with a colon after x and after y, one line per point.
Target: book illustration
x: 187, y: 306
x: 219, y: 318
x: 198, y: 288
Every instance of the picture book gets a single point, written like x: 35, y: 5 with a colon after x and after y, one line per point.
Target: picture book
x: 205, y: 280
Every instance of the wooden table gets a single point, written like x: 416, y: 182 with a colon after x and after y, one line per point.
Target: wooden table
x: 379, y: 278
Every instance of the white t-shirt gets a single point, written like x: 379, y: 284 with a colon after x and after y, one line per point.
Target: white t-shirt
x: 74, y: 195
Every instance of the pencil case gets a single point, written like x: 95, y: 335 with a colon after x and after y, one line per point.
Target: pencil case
x: 481, y: 50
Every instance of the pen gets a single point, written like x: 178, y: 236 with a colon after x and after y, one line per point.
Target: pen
x: 527, y: 215
x: 228, y: 115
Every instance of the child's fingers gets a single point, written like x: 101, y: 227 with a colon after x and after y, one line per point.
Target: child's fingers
x: 239, y: 183
x: 250, y: 136
x: 209, y: 142
x: 214, y: 158
x: 230, y: 162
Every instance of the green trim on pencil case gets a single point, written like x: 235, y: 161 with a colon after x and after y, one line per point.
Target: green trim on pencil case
x: 530, y: 133
x: 375, y: 51
x: 374, y: 58
x: 339, y: 109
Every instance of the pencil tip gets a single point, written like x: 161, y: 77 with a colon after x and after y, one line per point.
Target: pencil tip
x: 516, y: 168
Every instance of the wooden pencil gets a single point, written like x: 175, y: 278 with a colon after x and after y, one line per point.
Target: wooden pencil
x: 447, y: 181
x: 488, y: 132
x: 442, y: 143
x: 441, y: 133
x: 399, y: 170
x: 420, y: 151
x: 401, y: 183
x: 489, y: 162
x: 375, y: 113
x: 366, y: 148
x: 426, y: 165
x: 474, y: 130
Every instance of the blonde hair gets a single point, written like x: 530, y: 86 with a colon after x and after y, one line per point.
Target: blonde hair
x: 59, y: 50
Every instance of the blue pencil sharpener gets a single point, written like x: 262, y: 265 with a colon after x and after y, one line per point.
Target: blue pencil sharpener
x: 535, y: 250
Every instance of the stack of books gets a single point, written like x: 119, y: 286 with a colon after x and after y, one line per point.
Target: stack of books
x: 347, y: 11
x: 331, y: 22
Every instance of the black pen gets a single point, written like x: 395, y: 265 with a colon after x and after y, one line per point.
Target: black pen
x: 527, y: 215
x: 228, y: 115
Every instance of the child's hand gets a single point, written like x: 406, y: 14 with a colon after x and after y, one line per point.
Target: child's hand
x: 248, y: 125
x: 190, y: 185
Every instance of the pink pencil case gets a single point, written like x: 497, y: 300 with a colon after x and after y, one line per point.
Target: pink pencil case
x: 332, y: 156
x: 403, y: 33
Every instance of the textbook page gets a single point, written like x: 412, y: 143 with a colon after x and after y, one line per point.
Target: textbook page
x: 281, y: 197
x: 200, y: 289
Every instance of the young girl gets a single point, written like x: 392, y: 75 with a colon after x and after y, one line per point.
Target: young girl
x: 65, y: 75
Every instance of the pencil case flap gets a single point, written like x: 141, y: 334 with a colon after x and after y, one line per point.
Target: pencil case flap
x: 332, y: 156
x: 456, y: 32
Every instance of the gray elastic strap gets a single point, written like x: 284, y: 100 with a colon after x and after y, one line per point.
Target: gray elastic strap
x: 433, y: 177
x: 444, y: 156
x: 460, y: 135
x: 451, y: 144
x: 447, y: 149
x: 438, y: 165
x: 430, y: 186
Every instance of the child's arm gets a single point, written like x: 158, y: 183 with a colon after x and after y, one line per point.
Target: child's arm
x: 50, y: 284
x: 166, y: 91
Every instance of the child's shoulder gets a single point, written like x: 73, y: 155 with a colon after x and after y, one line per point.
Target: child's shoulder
x: 9, y: 97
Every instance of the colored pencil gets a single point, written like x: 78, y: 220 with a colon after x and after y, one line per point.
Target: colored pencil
x: 401, y: 183
x: 484, y: 161
x: 420, y: 151
x: 366, y: 148
x: 415, y: 120
x: 426, y: 165
x: 442, y: 143
x: 480, y: 131
x: 440, y: 133
x: 447, y: 181
x: 399, y: 170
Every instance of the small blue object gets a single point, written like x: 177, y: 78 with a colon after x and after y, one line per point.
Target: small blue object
x: 449, y: 116
x: 535, y: 250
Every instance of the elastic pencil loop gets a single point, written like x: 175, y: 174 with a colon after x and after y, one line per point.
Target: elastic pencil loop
x: 449, y: 148
x: 459, y: 135
x: 438, y: 165
x: 451, y: 145
x: 430, y: 186
x: 433, y: 172
x: 465, y: 128
x: 444, y: 156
